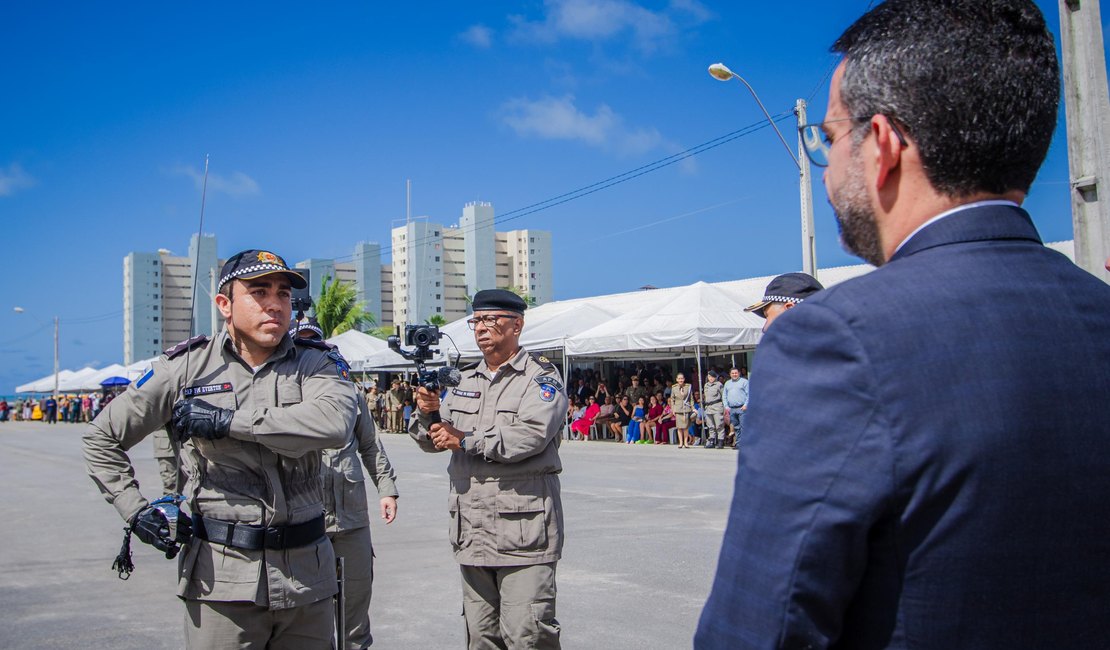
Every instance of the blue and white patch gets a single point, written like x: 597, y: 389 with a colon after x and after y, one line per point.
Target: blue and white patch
x: 547, y: 392
x: 144, y: 378
x: 549, y: 381
x: 341, y: 366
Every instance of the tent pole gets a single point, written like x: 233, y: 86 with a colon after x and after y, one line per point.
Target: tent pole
x: 566, y: 383
x: 700, y: 383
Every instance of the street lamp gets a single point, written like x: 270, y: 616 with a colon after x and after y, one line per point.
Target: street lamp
x: 20, y: 310
x: 721, y: 72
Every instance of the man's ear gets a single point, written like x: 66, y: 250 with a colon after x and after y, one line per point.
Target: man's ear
x: 223, y: 303
x: 887, y: 149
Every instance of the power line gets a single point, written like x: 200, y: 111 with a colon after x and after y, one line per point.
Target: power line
x: 612, y: 180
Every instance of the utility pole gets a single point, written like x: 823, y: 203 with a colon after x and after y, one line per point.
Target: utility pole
x: 55, y: 357
x: 809, y: 246
x: 1087, y: 107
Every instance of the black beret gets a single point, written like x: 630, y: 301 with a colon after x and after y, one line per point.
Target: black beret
x: 498, y: 300
x: 251, y: 264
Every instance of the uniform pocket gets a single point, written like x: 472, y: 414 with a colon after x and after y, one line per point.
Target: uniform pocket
x: 288, y: 394
x: 454, y: 530
x: 521, y: 524
x: 464, y: 416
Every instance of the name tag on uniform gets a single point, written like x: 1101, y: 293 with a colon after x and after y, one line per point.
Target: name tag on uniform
x: 211, y: 389
x: 473, y: 394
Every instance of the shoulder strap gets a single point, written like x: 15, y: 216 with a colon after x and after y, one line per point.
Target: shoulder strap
x: 319, y: 345
x: 187, y: 344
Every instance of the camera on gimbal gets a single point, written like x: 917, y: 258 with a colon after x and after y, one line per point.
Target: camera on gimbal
x: 421, y: 338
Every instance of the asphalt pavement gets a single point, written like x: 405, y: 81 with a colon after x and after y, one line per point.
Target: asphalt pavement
x: 643, y: 529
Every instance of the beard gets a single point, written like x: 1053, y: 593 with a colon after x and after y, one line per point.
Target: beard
x: 859, y: 232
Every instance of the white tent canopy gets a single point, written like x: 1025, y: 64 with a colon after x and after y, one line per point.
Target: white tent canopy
x: 356, y: 347
x: 45, y: 384
x: 700, y: 316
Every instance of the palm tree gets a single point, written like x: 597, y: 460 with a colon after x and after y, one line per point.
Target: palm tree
x: 338, y: 310
x: 529, y: 300
x: 437, y: 319
x: 383, y: 332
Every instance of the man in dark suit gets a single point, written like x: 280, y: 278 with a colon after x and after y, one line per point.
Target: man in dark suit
x: 907, y: 481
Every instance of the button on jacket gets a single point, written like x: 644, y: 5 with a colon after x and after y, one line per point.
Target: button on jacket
x: 505, y: 504
x: 266, y: 472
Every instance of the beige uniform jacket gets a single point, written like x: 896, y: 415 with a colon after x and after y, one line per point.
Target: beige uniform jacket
x: 505, y: 504
x: 345, y: 504
x: 681, y: 400
x: 266, y: 472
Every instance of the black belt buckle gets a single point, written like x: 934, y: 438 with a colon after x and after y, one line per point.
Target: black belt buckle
x: 275, y: 537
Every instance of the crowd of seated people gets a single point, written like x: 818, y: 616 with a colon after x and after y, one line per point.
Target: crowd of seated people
x: 630, y: 405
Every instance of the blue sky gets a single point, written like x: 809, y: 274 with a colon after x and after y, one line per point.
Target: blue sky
x: 315, y: 114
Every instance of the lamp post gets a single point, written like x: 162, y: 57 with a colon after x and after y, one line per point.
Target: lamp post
x: 721, y: 72
x: 20, y: 310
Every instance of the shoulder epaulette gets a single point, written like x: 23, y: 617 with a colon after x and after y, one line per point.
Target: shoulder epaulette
x: 319, y: 345
x: 544, y: 362
x: 188, y: 344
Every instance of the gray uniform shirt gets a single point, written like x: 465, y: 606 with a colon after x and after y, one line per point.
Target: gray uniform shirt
x: 266, y: 472
x: 505, y: 504
x: 712, y: 396
x: 345, y: 504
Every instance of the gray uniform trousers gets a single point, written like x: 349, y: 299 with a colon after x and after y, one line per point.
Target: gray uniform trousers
x: 358, y: 579
x: 241, y: 624
x: 511, y: 603
x: 714, y: 423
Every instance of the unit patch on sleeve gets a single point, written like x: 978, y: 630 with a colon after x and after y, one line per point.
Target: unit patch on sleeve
x: 144, y: 378
x: 211, y: 389
x: 341, y: 366
x: 473, y: 394
x: 549, y: 386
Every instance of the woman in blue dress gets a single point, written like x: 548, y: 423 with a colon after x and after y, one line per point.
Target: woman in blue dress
x: 638, y: 413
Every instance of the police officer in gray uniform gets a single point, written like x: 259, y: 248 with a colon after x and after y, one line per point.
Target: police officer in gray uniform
x: 257, y: 409
x: 502, y: 425
x: 714, y: 408
x: 346, y: 511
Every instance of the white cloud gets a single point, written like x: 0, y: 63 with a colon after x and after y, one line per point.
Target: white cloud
x: 599, y: 20
x: 479, y: 36
x: 557, y: 118
x: 14, y: 179
x: 236, y: 185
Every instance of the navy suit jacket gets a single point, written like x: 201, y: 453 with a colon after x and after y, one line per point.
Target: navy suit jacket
x: 926, y: 459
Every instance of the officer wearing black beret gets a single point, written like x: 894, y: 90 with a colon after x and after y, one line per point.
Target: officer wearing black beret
x: 502, y: 425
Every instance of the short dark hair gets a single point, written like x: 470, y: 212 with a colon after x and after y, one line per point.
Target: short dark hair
x: 975, y: 83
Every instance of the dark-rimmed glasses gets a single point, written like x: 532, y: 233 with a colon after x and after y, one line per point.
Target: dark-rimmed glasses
x: 488, y: 321
x: 818, y: 144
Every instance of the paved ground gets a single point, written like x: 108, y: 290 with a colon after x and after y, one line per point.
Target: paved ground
x: 644, y: 525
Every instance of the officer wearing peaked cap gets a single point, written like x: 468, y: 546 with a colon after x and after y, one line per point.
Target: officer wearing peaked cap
x: 256, y: 409
x: 501, y: 425
x: 782, y: 293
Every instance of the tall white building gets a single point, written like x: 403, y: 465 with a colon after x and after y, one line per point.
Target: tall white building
x: 437, y: 270
x: 434, y: 271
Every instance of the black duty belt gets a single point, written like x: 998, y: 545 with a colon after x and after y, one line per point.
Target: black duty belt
x: 254, y: 538
x: 714, y: 402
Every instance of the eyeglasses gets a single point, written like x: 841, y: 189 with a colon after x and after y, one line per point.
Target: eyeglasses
x: 489, y: 321
x: 818, y: 144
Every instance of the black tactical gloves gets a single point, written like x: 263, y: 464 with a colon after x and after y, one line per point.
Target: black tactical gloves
x: 163, y: 526
x: 195, y: 418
